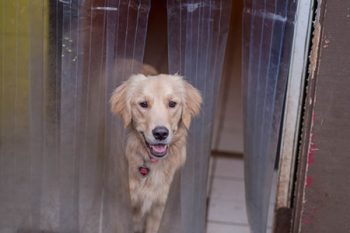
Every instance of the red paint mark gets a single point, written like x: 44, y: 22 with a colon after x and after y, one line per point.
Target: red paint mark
x: 309, y: 215
x: 308, y: 181
x: 306, y: 220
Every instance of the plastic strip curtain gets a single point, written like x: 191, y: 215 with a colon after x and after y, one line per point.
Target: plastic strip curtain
x: 267, y: 34
x: 197, y: 35
x: 61, y: 163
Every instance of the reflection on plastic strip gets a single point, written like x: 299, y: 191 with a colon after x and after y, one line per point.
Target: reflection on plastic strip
x: 193, y: 6
x: 268, y: 15
x: 65, y: 1
x: 105, y: 8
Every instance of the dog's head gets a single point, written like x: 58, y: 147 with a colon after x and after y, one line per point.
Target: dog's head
x: 156, y: 107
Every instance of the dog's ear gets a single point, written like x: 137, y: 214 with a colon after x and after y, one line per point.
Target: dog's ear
x: 119, y: 103
x: 192, y: 105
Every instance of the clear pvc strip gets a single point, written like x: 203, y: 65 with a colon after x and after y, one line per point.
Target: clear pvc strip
x: 197, y: 35
x: 62, y: 166
x: 267, y: 34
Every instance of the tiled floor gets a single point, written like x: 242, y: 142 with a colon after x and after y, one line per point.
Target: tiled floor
x: 227, y: 212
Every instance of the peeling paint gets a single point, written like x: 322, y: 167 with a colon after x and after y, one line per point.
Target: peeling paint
x: 312, y: 146
x: 311, y: 152
x: 314, y: 49
x: 326, y: 43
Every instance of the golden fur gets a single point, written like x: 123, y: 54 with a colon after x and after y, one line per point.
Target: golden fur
x: 149, y: 193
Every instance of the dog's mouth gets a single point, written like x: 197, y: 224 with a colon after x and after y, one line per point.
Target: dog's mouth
x: 157, y: 150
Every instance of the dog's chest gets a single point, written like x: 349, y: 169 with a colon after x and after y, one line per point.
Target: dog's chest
x: 153, y: 187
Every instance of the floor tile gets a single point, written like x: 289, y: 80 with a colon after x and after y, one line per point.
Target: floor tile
x: 228, y: 189
x: 213, y: 227
x: 229, y: 167
x: 228, y: 211
x: 227, y: 197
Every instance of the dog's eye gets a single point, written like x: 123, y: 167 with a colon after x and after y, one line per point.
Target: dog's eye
x: 144, y: 104
x: 172, y: 104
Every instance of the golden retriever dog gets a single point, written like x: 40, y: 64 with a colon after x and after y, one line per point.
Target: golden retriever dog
x: 157, y: 110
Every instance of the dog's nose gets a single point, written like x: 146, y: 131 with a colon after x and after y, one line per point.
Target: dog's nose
x: 160, y: 133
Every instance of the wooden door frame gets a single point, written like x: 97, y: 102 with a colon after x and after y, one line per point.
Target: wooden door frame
x: 321, y: 195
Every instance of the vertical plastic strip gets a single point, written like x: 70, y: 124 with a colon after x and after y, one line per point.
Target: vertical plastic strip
x: 197, y: 35
x: 62, y: 161
x: 266, y: 52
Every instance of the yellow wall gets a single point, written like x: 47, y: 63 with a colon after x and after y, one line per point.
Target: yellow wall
x: 22, y: 22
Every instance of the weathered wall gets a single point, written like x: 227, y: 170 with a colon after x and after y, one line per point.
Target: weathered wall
x: 322, y: 203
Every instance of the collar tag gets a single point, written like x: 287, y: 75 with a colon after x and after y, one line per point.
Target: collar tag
x: 144, y: 171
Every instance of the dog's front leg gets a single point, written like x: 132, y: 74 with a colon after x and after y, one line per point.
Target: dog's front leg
x: 138, y: 220
x: 154, y: 217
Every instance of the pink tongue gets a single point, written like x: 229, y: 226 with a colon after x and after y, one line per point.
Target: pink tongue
x: 159, y: 148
